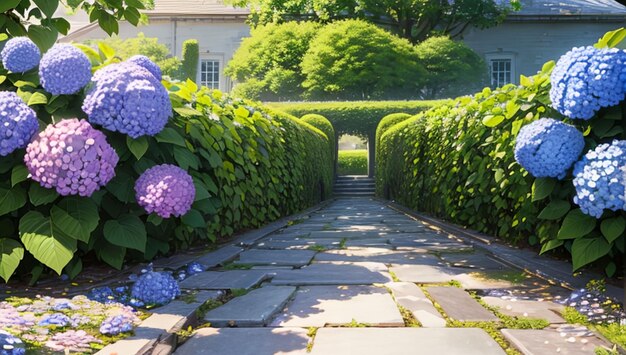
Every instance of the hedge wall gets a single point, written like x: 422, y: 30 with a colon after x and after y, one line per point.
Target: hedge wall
x: 323, y: 124
x: 456, y: 161
x: 250, y: 165
x: 354, y: 117
x: 352, y: 162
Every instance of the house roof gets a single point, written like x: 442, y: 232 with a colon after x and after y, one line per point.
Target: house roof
x: 558, y: 8
x: 194, y: 7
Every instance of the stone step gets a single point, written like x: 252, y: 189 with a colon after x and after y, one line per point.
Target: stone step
x: 459, y: 305
x: 355, y: 183
x: 354, y: 188
x: 359, y: 193
x: 253, y: 309
x: 353, y: 177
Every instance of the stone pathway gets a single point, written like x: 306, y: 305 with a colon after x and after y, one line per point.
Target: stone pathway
x: 358, y: 277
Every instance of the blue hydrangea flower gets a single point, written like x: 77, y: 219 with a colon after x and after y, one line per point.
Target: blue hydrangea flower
x: 548, y: 148
x: 586, y: 79
x: 18, y: 123
x: 599, y: 179
x: 20, y: 54
x: 114, y: 325
x: 10, y: 344
x: 145, y: 62
x: 128, y: 99
x: 56, y: 319
x: 155, y: 288
x: 195, y: 268
x: 64, y: 70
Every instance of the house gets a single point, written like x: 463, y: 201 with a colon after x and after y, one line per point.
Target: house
x: 218, y: 28
x: 541, y: 31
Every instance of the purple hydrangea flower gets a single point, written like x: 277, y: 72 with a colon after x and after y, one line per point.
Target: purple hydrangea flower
x: 117, y: 324
x: 10, y: 344
x: 145, y: 62
x: 155, y: 288
x: 599, y: 179
x: 64, y: 70
x: 20, y: 54
x: 586, y: 79
x: 166, y: 190
x: 72, y: 157
x: 56, y: 319
x: 127, y: 98
x: 18, y: 123
x: 548, y: 148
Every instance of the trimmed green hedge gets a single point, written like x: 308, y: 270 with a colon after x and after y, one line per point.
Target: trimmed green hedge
x: 323, y: 124
x: 456, y: 161
x: 250, y: 166
x: 355, y: 117
x: 352, y: 162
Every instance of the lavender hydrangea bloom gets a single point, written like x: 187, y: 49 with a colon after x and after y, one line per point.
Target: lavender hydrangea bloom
x: 599, y: 179
x: 18, y: 123
x: 10, y: 344
x: 155, y: 288
x: 72, y: 341
x: 145, y: 62
x: 117, y: 324
x: 64, y: 70
x: 547, y: 147
x: 586, y: 79
x: 72, y: 157
x: 166, y: 190
x: 56, y: 319
x: 127, y: 98
x: 20, y: 54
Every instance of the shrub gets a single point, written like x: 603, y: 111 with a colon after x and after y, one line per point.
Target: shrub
x: 355, y: 60
x: 388, y: 122
x: 191, y: 57
x: 320, y: 122
x: 456, y: 161
x: 352, y: 162
x: 248, y: 165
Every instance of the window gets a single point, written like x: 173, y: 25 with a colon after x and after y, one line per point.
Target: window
x: 210, y: 73
x: 500, y: 72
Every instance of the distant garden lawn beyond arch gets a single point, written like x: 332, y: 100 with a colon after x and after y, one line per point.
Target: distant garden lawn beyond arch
x: 359, y: 118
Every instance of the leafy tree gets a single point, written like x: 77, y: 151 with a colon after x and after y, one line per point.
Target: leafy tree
x: 35, y: 18
x: 412, y: 19
x: 191, y: 56
x: 353, y: 59
x: 267, y: 64
x: 453, y: 68
x: 150, y: 47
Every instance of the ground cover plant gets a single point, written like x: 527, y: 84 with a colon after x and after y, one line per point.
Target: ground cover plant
x: 536, y: 163
x: 352, y: 162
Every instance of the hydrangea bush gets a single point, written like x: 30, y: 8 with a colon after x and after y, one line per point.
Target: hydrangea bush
x: 155, y: 288
x: 20, y: 54
x: 145, y: 62
x: 18, y: 123
x: 64, y: 70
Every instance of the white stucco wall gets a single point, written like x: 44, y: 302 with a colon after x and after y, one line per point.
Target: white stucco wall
x: 532, y: 44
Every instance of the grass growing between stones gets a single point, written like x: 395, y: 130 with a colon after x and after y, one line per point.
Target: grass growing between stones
x: 232, y: 266
x: 408, y: 318
x: 342, y: 243
x: 312, y: 332
x: 512, y: 276
x: 394, y: 277
x: 317, y: 247
x: 614, y: 332
x: 355, y: 324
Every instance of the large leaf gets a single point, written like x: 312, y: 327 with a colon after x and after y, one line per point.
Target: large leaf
x: 555, y: 210
x: 194, y: 219
x: 11, y: 199
x: 75, y: 217
x: 587, y: 250
x: 48, y: 7
x: 11, y: 253
x: 53, y: 250
x: 6, y: 5
x: 542, y: 188
x: 169, y: 135
x: 43, y: 36
x: 40, y: 195
x: 138, y: 146
x: 576, y: 224
x: 551, y: 244
x: 126, y: 231
x: 18, y: 174
x: 613, y: 228
x: 112, y: 255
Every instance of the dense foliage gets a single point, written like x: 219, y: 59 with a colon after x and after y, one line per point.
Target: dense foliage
x: 457, y: 162
x: 247, y: 165
x: 191, y: 58
x: 267, y: 65
x: 413, y: 20
x: 323, y: 124
x: 452, y: 68
x: 352, y: 162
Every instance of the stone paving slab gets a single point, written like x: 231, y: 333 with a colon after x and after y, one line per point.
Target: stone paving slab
x: 549, y: 341
x: 404, y: 341
x: 379, y: 255
x: 459, y: 305
x: 529, y: 309
x: 334, y: 273
x: 276, y: 257
x: 185, y: 308
x: 411, y: 297
x: 425, y: 274
x: 251, y: 310
x: 318, y: 306
x: 297, y: 243
x: 220, y: 256
x: 475, y: 260
x: 246, y: 341
x: 346, y: 234
x: 224, y: 280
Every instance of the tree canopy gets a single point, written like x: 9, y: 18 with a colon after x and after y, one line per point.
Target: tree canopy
x: 414, y: 20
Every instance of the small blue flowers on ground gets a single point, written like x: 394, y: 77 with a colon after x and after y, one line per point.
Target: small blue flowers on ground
x: 18, y: 123
x: 20, y: 54
x: 586, y: 79
x: 599, y: 179
x: 55, y: 319
x: 548, y: 148
x: 155, y: 288
x: 121, y: 323
x: 11, y: 345
x: 64, y: 70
